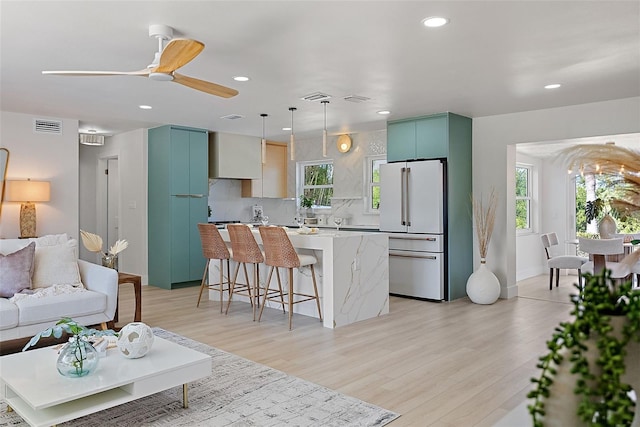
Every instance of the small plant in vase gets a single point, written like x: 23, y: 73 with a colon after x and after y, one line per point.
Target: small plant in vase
x: 483, y: 286
x: 93, y: 243
x: 78, y: 357
x: 307, y: 204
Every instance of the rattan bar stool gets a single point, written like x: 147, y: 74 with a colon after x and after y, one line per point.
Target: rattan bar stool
x: 245, y: 251
x: 279, y: 253
x: 213, y: 247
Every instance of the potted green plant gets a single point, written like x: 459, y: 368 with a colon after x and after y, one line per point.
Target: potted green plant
x: 595, y: 356
x: 78, y: 357
x: 307, y: 203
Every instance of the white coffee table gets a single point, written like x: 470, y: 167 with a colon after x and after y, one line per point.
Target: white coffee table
x: 31, y: 385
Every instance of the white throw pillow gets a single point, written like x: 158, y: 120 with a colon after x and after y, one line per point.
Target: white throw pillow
x: 56, y: 265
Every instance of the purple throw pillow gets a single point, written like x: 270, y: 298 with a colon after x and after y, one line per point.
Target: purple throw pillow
x: 16, y: 270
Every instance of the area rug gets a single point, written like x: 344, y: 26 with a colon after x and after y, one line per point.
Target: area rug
x: 238, y: 393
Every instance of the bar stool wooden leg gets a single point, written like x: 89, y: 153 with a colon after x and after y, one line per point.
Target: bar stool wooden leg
x: 280, y: 288
x: 204, y: 281
x: 233, y: 285
x: 315, y: 290
x: 290, y: 302
x: 266, y: 292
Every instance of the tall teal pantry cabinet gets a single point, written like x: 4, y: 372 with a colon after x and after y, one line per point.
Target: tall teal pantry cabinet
x: 444, y: 136
x: 178, y: 198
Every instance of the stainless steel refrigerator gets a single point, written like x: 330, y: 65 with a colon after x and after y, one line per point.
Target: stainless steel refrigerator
x: 412, y: 209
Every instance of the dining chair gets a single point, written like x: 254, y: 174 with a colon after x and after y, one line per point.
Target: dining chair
x: 598, y: 250
x: 245, y: 251
x: 560, y: 262
x: 213, y: 247
x: 280, y: 253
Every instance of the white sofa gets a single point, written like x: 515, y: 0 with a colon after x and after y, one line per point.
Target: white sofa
x: 94, y: 305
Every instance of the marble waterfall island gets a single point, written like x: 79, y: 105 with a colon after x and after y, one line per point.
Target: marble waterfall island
x: 352, y: 274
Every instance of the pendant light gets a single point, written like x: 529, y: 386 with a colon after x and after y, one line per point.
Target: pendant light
x: 324, y: 131
x: 263, y: 141
x: 292, y: 142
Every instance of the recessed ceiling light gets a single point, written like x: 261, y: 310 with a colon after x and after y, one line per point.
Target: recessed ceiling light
x: 145, y: 107
x: 384, y: 112
x: 286, y: 128
x: 241, y: 78
x: 553, y: 86
x: 434, y: 21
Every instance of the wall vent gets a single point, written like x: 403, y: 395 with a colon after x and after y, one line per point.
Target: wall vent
x: 47, y: 126
x: 356, y: 98
x: 232, y: 117
x: 316, y: 96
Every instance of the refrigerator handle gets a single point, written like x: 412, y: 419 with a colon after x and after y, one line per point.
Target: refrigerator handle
x: 402, y: 196
x: 407, y: 198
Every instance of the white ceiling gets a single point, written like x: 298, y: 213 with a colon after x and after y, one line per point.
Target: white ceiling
x: 492, y: 58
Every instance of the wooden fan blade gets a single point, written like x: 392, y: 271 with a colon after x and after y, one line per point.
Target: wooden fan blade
x: 203, y: 86
x: 144, y: 72
x: 177, y: 53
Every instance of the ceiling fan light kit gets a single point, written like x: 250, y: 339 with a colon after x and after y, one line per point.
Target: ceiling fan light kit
x: 175, y: 54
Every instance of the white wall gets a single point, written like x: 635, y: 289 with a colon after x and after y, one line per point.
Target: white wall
x: 43, y: 157
x: 494, y: 159
x: 131, y: 150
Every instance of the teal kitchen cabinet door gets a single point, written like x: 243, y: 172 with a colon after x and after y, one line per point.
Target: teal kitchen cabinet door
x: 401, y: 141
x: 432, y: 137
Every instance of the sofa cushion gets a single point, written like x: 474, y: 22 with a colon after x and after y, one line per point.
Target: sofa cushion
x: 53, y: 308
x: 15, y: 271
x: 56, y: 265
x: 8, y: 246
x: 8, y: 314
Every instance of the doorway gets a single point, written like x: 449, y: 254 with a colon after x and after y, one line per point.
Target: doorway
x: 108, y: 203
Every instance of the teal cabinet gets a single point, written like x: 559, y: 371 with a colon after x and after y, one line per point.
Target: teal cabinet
x: 401, y: 141
x: 178, y: 189
x: 444, y: 136
x: 418, y: 138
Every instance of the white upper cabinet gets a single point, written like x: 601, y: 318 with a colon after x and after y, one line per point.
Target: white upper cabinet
x: 234, y: 156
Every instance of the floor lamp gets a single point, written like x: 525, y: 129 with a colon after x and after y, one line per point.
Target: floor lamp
x: 27, y: 192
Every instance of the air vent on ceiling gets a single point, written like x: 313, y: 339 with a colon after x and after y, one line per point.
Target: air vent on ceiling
x: 232, y: 117
x: 356, y: 98
x: 47, y: 126
x: 91, y: 139
x: 316, y: 96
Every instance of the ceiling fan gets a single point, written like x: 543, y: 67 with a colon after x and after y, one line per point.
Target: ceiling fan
x: 177, y: 53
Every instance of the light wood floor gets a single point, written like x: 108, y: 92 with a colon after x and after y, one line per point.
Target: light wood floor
x: 447, y: 364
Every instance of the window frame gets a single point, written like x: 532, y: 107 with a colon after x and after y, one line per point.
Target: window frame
x: 300, y: 187
x: 529, y: 198
x: 369, y: 185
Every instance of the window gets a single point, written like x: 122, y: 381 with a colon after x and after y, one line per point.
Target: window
x: 523, y: 197
x: 372, y: 182
x: 315, y: 180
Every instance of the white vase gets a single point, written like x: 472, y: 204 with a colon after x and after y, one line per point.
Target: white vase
x: 607, y: 227
x: 483, y: 286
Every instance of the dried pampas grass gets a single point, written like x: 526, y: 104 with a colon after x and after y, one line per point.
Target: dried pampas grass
x: 618, y: 162
x: 485, y: 218
x: 91, y: 241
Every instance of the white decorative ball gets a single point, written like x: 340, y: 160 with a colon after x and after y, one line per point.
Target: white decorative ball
x: 135, y: 340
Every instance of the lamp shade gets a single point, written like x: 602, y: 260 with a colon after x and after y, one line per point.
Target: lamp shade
x: 27, y: 191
